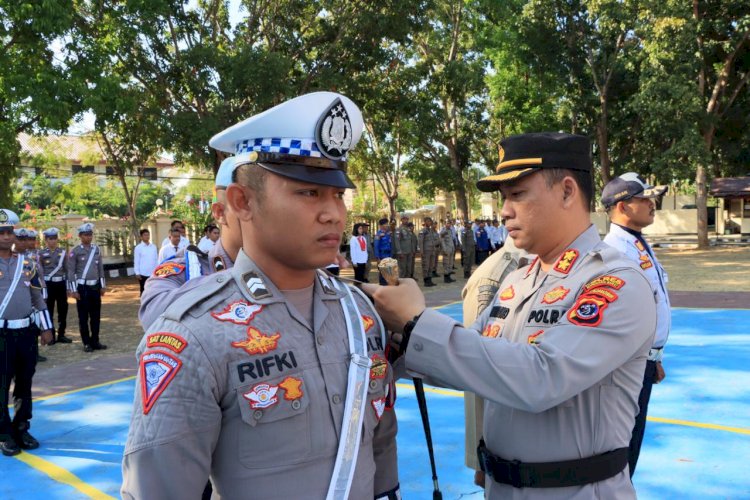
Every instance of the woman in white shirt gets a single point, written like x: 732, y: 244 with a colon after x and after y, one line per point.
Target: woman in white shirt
x: 358, y: 252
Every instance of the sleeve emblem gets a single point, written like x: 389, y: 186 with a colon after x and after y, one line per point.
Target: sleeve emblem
x: 606, y: 280
x: 379, y: 406
x: 587, y: 311
x: 170, y: 341
x: 168, y: 269
x: 157, y: 369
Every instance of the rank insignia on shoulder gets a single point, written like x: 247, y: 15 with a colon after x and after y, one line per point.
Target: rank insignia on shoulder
x: 645, y: 262
x: 238, y: 312
x: 493, y: 331
x: 379, y: 367
x: 534, y: 337
x: 292, y: 388
x: 171, y: 341
x: 256, y: 286
x: 606, y: 280
x: 257, y: 342
x: 555, y: 295
x: 262, y: 396
x: 587, y: 311
x: 367, y: 322
x: 379, y: 406
x: 157, y: 369
x: 218, y: 263
x: 168, y: 269
x: 566, y: 261
x: 508, y: 293
x: 640, y: 246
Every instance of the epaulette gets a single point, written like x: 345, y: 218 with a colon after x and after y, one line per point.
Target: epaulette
x: 207, y: 289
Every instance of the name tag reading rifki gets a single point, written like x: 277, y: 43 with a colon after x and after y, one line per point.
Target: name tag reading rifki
x: 263, y: 367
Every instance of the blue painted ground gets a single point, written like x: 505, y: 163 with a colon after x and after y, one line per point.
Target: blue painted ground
x: 708, y: 382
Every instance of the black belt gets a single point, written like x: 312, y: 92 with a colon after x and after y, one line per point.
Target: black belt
x: 552, y: 474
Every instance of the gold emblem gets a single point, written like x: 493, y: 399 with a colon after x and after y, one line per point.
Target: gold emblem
x: 555, y: 295
x: 257, y: 342
x: 292, y: 388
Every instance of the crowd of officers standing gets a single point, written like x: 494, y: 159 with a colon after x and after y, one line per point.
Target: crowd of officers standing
x: 474, y: 240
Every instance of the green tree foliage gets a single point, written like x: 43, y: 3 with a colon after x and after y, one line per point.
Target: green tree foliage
x: 37, y: 90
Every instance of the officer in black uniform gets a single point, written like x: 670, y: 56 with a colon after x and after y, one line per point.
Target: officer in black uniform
x: 21, y: 305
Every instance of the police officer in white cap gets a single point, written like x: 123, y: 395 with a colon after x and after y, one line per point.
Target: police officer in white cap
x: 21, y: 305
x: 53, y: 259
x: 87, y: 285
x: 271, y: 377
x: 26, y: 245
x: 629, y: 201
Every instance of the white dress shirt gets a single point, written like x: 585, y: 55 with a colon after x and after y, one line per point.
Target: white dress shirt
x: 358, y: 255
x: 184, y: 242
x: 146, y: 258
x: 168, y: 252
x: 206, y: 244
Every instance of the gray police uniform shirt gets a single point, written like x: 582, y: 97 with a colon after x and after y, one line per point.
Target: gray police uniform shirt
x: 233, y: 382
x: 77, y: 259
x: 446, y: 241
x: 27, y: 295
x: 404, y: 241
x: 163, y: 287
x: 53, y: 268
x: 644, y: 256
x: 429, y: 241
x: 559, y: 359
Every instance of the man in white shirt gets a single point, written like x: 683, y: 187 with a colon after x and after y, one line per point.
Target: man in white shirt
x: 169, y: 250
x: 178, y: 225
x: 208, y: 241
x: 498, y: 235
x: 146, y: 257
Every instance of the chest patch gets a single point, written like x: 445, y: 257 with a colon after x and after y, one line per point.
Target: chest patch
x: 379, y: 367
x: 238, y: 312
x: 292, y: 388
x: 493, y: 331
x: 367, y: 322
x: 262, y: 396
x: 534, y: 337
x: 508, y: 293
x: 258, y: 342
x: 555, y: 295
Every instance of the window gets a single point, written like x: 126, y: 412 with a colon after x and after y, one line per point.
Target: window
x: 149, y: 173
x: 82, y: 169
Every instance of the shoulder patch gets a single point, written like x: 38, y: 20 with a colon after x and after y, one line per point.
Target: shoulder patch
x: 157, y: 369
x: 171, y: 341
x: 587, y: 311
x: 607, y: 280
x: 238, y: 312
x: 565, y: 263
x: 168, y: 269
x: 256, y: 286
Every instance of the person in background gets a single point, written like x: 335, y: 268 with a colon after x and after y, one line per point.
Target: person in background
x: 383, y: 244
x: 629, y: 201
x: 468, y: 248
x: 448, y: 250
x: 212, y: 236
x: 146, y: 257
x: 54, y: 261
x: 170, y: 251
x: 358, y: 252
x: 483, y: 243
x: 179, y: 226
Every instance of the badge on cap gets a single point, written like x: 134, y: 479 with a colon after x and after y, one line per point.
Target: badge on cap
x: 333, y: 132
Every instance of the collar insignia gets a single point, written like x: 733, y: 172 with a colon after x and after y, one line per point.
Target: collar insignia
x: 645, y: 262
x: 262, y: 396
x: 640, y: 246
x: 257, y: 342
x: 555, y: 295
x: 292, y: 388
x: 333, y: 132
x: 238, y: 312
x: 566, y: 261
x: 256, y: 286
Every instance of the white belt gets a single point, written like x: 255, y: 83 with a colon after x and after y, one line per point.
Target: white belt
x: 87, y: 282
x: 54, y: 279
x: 655, y: 354
x: 14, y: 324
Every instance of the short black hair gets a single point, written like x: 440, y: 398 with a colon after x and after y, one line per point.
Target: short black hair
x: 582, y: 178
x: 355, y: 228
x: 175, y: 222
x: 144, y: 230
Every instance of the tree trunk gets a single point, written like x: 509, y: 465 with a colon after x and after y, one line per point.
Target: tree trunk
x: 462, y: 204
x: 701, y: 199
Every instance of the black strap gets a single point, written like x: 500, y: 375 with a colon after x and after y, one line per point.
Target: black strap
x: 552, y: 474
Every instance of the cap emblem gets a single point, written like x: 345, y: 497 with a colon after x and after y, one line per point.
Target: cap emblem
x: 333, y: 132
x: 3, y: 216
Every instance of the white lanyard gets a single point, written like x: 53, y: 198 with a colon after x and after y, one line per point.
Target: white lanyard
x: 59, y: 265
x: 356, y: 399
x: 88, y: 263
x: 13, y: 285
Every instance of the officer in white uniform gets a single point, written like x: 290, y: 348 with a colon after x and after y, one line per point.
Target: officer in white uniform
x: 560, y: 352
x: 629, y: 201
x: 271, y: 377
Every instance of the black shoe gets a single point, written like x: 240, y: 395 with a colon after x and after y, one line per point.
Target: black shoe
x: 40, y: 358
x: 428, y: 282
x: 447, y: 279
x: 88, y: 348
x: 26, y: 441
x: 467, y: 274
x: 62, y: 339
x: 98, y: 346
x: 9, y: 448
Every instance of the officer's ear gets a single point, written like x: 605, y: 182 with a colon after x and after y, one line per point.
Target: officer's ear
x: 570, y: 191
x: 241, y: 201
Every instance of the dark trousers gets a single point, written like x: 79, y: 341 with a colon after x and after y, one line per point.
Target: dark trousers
x: 482, y: 256
x: 89, y: 312
x: 640, y: 421
x: 18, y: 351
x: 58, y: 294
x: 360, y: 271
x: 142, y: 282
